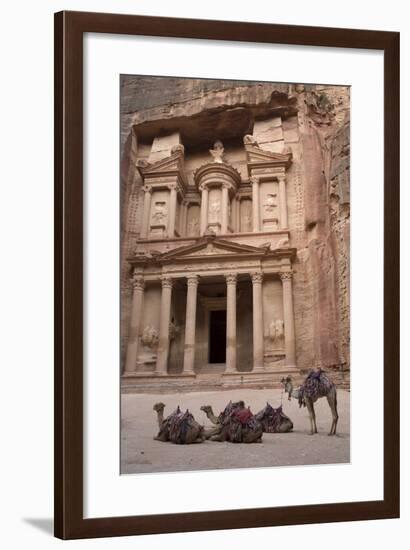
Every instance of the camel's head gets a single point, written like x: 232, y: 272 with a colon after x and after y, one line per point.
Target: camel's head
x: 159, y: 407
x: 206, y: 409
x: 288, y: 385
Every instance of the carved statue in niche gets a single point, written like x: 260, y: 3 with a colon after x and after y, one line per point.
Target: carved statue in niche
x: 160, y: 213
x: 246, y: 217
x: 193, y: 228
x: 270, y: 202
x: 276, y: 330
x: 214, y: 210
x: 149, y: 337
x: 218, y: 151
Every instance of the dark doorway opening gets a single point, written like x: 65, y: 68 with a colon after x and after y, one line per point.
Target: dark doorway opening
x: 217, y: 336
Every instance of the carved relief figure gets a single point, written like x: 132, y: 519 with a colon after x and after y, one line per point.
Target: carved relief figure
x: 270, y: 202
x: 218, y: 151
x: 276, y: 330
x: 193, y: 228
x: 160, y: 213
x: 149, y: 337
x: 214, y: 210
x: 246, y: 217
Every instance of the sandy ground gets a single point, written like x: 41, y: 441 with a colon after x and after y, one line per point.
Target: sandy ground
x: 140, y: 453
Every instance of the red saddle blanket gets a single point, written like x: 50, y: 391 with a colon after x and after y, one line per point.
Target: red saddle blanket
x: 242, y: 415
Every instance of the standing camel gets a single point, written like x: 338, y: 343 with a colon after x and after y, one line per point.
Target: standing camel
x: 315, y: 386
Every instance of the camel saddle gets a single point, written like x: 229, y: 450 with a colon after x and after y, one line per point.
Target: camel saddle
x: 316, y: 385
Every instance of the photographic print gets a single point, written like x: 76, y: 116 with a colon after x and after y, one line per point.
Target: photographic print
x: 235, y: 274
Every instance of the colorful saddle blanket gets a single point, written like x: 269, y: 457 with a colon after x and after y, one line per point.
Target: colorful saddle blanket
x: 271, y: 418
x: 316, y: 385
x: 176, y: 425
x: 179, y: 427
x: 239, y: 419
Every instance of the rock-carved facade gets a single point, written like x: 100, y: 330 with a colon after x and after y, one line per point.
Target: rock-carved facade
x: 218, y: 247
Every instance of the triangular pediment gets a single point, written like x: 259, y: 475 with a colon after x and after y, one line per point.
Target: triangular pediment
x: 212, y: 247
x: 256, y: 155
x: 174, y: 163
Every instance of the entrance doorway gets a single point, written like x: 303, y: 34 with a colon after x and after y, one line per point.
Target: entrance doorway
x: 217, y: 336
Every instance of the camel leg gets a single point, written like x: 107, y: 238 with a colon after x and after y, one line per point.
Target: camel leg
x: 211, y: 432
x: 332, y: 400
x: 311, y: 410
x: 314, y: 417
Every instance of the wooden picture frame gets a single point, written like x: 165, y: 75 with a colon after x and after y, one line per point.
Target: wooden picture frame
x: 69, y: 30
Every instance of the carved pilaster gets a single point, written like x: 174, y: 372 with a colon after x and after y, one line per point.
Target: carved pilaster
x: 138, y: 285
x: 146, y: 212
x: 190, y: 324
x: 283, y: 207
x: 204, y: 207
x: 231, y: 322
x: 289, y: 319
x: 255, y: 204
x: 172, y: 209
x: 257, y: 299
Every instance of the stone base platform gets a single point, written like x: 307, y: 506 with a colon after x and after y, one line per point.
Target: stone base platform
x: 170, y: 383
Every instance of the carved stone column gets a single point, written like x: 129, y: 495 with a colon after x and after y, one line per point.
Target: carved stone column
x: 289, y: 319
x: 231, y: 322
x: 190, y: 323
x: 165, y: 318
x: 283, y: 213
x: 257, y: 320
x: 225, y: 199
x: 204, y: 208
x: 146, y: 212
x: 172, y: 210
x: 255, y: 205
x: 135, y: 324
x: 238, y: 215
x: 184, y: 211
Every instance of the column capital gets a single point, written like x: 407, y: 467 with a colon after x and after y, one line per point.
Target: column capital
x: 203, y: 187
x: 257, y: 277
x: 231, y: 278
x: 281, y: 177
x: 227, y: 185
x: 254, y: 180
x: 192, y: 280
x: 137, y: 282
x: 147, y: 188
x: 172, y: 186
x: 286, y: 275
x: 166, y: 281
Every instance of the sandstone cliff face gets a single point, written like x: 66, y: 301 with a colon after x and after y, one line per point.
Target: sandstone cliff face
x: 313, y: 121
x: 324, y: 252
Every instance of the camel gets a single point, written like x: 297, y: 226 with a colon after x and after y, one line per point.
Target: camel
x: 180, y: 428
x: 315, y: 386
x: 274, y: 420
x: 235, y: 423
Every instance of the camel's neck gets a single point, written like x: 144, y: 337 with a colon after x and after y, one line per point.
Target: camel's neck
x: 295, y: 393
x: 212, y: 417
x: 160, y: 416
